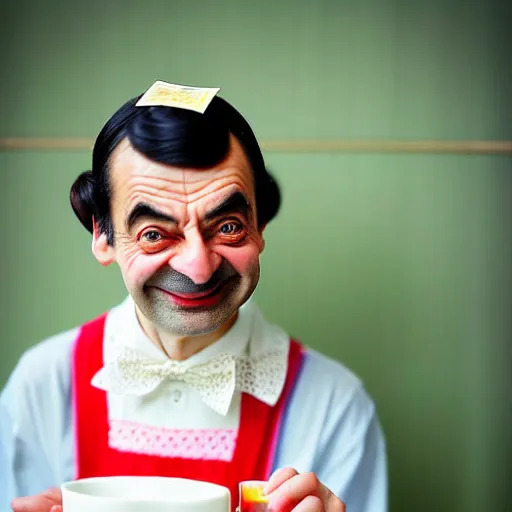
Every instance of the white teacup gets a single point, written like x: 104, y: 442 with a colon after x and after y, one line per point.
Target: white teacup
x: 143, y: 494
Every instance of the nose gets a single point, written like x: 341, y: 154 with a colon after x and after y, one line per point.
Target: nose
x: 195, y: 259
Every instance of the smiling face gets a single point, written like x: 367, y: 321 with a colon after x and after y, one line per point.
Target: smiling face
x: 186, y: 240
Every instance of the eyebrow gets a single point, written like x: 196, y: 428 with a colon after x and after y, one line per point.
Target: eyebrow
x: 144, y: 211
x: 236, y: 202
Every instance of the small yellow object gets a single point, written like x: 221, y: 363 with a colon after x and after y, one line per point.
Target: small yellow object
x: 179, y: 96
x: 253, y: 495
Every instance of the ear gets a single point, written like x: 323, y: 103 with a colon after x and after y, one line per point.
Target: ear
x: 101, y: 249
x: 262, y: 246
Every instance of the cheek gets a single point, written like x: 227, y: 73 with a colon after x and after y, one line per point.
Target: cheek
x: 243, y: 259
x: 137, y: 266
x: 246, y: 257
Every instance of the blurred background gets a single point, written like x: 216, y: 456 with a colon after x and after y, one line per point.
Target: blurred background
x: 394, y: 261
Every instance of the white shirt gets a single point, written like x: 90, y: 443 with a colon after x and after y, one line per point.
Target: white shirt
x: 330, y: 425
x: 174, y: 411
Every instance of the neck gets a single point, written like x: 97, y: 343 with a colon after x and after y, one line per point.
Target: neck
x: 180, y: 348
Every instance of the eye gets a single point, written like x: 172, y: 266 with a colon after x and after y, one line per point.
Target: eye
x: 151, y: 236
x: 232, y: 232
x: 230, y: 228
x: 152, y: 241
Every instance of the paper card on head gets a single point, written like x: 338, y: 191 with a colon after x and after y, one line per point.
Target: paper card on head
x: 180, y: 96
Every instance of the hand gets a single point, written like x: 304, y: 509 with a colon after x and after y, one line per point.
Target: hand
x: 47, y: 501
x: 289, y: 491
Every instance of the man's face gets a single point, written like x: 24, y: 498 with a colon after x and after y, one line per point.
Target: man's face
x: 186, y: 240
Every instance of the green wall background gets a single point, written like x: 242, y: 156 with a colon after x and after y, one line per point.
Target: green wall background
x: 396, y: 265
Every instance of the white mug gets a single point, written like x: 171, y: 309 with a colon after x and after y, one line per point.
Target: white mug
x: 143, y: 494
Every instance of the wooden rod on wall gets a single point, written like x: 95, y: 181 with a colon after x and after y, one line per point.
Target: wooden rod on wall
x: 299, y: 145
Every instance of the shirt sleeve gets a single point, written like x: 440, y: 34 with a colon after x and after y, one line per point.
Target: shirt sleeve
x: 6, y: 456
x: 35, y: 421
x: 24, y: 469
x: 331, y: 428
x: 353, y: 463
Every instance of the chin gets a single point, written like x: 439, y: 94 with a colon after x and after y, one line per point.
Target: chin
x: 194, y: 323
x: 182, y: 321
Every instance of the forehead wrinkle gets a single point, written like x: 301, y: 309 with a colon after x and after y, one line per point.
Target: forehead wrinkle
x: 144, y: 191
x: 133, y: 187
x: 151, y: 184
x: 184, y: 197
x: 210, y: 180
x: 165, y: 180
x: 222, y: 192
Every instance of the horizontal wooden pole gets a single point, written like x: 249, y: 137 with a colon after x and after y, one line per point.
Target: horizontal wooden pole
x: 299, y: 145
x: 390, y: 146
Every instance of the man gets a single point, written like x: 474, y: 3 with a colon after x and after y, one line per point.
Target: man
x: 185, y: 378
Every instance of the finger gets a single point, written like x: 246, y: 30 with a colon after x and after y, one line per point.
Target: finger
x: 310, y: 504
x: 38, y: 503
x: 336, y: 505
x: 292, y: 491
x: 331, y: 502
x: 56, y: 508
x: 278, y: 478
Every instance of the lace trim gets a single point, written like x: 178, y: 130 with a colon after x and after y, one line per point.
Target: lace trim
x: 196, y: 444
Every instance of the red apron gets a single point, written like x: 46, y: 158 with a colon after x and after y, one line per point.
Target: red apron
x: 255, y: 444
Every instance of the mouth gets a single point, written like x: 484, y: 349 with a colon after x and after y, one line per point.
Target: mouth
x: 199, y: 300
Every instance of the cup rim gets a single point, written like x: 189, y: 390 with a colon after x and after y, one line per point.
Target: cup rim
x: 71, y: 487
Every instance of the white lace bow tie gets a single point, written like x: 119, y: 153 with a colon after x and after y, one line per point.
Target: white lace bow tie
x: 133, y: 373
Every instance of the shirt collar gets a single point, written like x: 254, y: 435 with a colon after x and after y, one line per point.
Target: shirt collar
x: 250, y: 335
